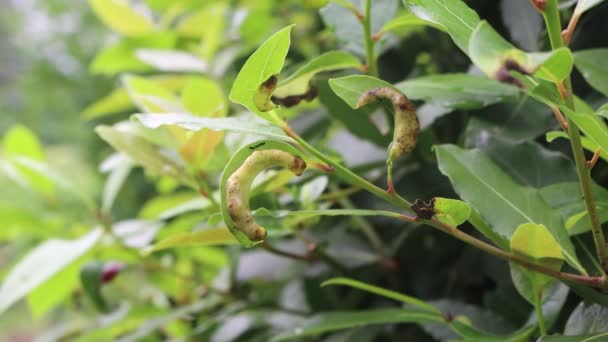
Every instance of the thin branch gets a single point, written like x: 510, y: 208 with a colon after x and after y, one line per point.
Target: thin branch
x: 370, y: 55
x: 552, y: 22
x: 560, y: 118
x: 596, y: 155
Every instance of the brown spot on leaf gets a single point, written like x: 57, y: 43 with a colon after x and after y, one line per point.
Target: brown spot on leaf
x: 293, y: 100
x: 424, y: 210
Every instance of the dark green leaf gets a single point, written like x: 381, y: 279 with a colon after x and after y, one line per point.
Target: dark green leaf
x: 499, y: 200
x: 454, y: 15
x: 334, y: 321
x: 591, y: 64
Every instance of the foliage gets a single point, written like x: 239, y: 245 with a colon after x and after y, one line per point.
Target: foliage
x: 489, y: 230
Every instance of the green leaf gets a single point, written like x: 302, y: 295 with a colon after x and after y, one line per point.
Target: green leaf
x: 265, y: 62
x: 298, y: 82
x: 581, y: 338
x: 447, y: 92
x: 212, y: 33
x: 55, y: 290
x: 566, y: 198
x: 588, y: 144
x: 591, y: 124
x: 350, y: 88
x: 339, y: 320
x: 407, y: 20
x: 117, y: 177
x: 453, y: 15
x: 382, y: 292
x: 235, y: 162
x: 204, y: 97
x: 526, y: 162
x: 302, y: 214
x: 451, y: 211
x: 500, y: 201
x: 43, y: 171
x: 585, y: 5
x: 442, y: 93
x: 587, y: 319
x: 528, y: 26
x: 118, y: 100
x: 489, y: 51
x: 149, y: 96
x: 194, y: 123
x: 591, y: 64
x: 206, y: 237
x: 20, y: 141
x: 141, y: 151
x: 121, y: 56
x: 535, y: 242
x: 310, y: 191
x: 172, y: 60
x: 146, y: 328
x: 119, y: 16
x: 42, y: 263
x: 357, y: 121
x: 91, y: 275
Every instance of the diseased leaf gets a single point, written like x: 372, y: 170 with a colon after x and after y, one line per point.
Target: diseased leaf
x: 493, y: 54
x: 447, y: 92
x: 442, y: 93
x: 265, y: 62
x: 298, y: 82
x: 235, y: 162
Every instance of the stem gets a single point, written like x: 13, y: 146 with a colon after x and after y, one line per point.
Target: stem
x: 370, y: 56
x: 552, y: 21
x: 349, y: 176
x: 567, y: 33
x: 538, y: 305
x: 353, y: 179
x: 594, y: 281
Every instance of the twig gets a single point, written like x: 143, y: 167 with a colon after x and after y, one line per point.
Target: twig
x: 552, y: 22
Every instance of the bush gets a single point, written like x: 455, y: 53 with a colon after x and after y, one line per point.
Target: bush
x: 378, y: 171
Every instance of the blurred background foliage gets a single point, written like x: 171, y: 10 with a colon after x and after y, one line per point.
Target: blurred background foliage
x: 64, y: 71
